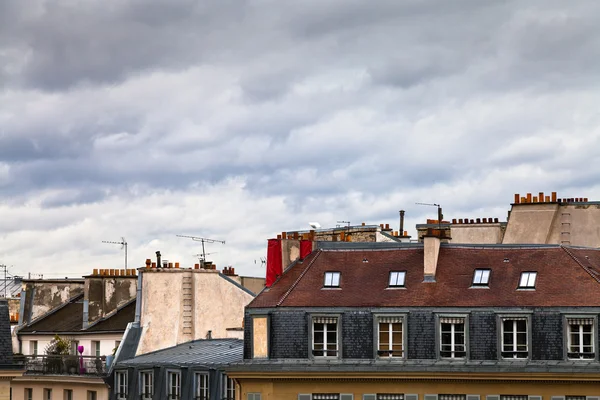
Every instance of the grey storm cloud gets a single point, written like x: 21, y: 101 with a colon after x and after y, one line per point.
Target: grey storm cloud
x: 160, y: 116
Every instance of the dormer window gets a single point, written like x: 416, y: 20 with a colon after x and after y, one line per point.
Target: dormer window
x: 527, y: 280
x: 481, y: 277
x: 397, y: 278
x: 332, y: 279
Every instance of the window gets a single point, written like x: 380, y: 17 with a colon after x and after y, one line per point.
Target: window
x: 68, y: 394
x: 33, y: 347
x: 254, y: 396
x: 121, y: 385
x: 325, y: 337
x: 514, y: 397
x: 514, y: 337
x: 201, y: 389
x: 390, y: 396
x: 47, y: 394
x: 581, y: 338
x: 452, y: 337
x: 326, y: 396
x: 390, y: 338
x: 332, y: 279
x: 96, y: 348
x: 527, y: 280
x: 146, y: 384
x: 228, y: 388
x: 173, y: 385
x: 452, y: 397
x: 92, y: 395
x: 74, y: 346
x: 28, y: 395
x: 397, y: 278
x: 481, y: 277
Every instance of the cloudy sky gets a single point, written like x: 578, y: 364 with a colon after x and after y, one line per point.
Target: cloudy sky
x: 237, y: 119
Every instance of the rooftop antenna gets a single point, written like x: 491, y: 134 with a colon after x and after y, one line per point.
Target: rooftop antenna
x: 263, y: 261
x: 123, y: 244
x: 201, y: 256
x: 440, y: 215
x: 202, y: 240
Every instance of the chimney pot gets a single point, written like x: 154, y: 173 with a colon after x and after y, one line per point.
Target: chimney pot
x: 295, y: 235
x: 495, y: 219
x: 283, y: 235
x: 170, y: 265
x: 535, y: 199
x: 554, y: 197
x: 585, y: 199
x: 547, y: 199
x: 529, y: 197
x: 112, y: 272
x: 541, y: 197
x: 278, y: 237
x: 387, y: 227
x: 485, y: 220
x: 176, y: 265
x: 454, y: 220
x: 95, y: 271
x: 478, y: 220
x: 196, y: 266
x: 405, y: 233
x: 148, y: 262
x: 363, y: 224
x: 381, y: 226
x: 517, y: 198
x: 153, y: 265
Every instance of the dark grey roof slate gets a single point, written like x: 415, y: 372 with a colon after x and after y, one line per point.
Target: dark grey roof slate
x: 6, y: 354
x: 210, y: 352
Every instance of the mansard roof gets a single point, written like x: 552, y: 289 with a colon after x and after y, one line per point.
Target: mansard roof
x: 566, y: 276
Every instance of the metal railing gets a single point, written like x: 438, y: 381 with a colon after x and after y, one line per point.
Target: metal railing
x: 63, y: 365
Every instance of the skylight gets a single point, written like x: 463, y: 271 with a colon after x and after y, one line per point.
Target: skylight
x: 527, y: 280
x: 481, y: 277
x: 397, y: 278
x: 332, y: 279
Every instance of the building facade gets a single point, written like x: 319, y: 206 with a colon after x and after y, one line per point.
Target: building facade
x: 427, y: 321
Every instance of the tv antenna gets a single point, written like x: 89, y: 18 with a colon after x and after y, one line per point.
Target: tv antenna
x: 123, y: 244
x: 343, y: 222
x: 202, y: 240
x: 440, y: 215
x: 201, y: 256
x: 263, y: 261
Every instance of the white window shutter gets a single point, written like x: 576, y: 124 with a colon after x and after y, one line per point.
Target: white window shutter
x: 430, y: 397
x: 411, y: 397
x: 305, y: 397
x: 346, y: 396
x: 369, y: 397
x: 492, y: 397
x: 473, y: 397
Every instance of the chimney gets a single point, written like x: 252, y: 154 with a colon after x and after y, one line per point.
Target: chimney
x: 401, y: 221
x: 431, y: 252
x: 158, y: 264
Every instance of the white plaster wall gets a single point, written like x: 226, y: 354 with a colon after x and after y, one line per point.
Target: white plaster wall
x: 218, y: 305
x: 585, y: 225
x: 477, y: 233
x: 530, y: 223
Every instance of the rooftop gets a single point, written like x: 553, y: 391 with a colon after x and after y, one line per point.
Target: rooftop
x: 365, y: 272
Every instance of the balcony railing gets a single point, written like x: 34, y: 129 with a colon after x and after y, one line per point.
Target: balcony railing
x: 64, y: 365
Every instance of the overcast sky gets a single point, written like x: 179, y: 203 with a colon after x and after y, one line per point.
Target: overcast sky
x: 236, y: 120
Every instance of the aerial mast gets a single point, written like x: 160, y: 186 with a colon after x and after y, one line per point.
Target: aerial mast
x: 123, y: 244
x: 202, y: 240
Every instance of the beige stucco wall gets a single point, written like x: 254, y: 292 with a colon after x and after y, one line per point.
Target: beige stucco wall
x: 253, y: 284
x: 431, y: 248
x: 58, y: 383
x: 47, y: 295
x: 584, y: 225
x: 218, y: 304
x: 530, y: 223
x: 476, y: 233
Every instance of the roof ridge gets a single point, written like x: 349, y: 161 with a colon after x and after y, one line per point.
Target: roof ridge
x: 580, y: 264
x: 287, y: 293
x: 111, y: 314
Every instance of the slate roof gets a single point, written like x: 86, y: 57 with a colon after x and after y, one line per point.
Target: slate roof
x: 6, y: 354
x: 560, y: 270
x: 69, y: 319
x: 209, y: 352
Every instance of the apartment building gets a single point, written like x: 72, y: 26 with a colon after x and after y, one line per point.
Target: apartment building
x: 426, y: 321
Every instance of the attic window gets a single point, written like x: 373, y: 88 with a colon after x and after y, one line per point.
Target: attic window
x: 397, y: 278
x: 481, y: 277
x: 527, y: 280
x: 332, y: 279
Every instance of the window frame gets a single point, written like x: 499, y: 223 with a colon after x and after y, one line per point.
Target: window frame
x: 28, y: 394
x: 198, y: 387
x: 528, y: 335
x: 92, y: 395
x: 67, y: 394
x: 95, y: 347
x: 268, y: 335
x: 311, y: 344
x: 170, y: 373
x: 567, y: 336
x: 228, y: 389
x: 527, y: 286
x: 480, y: 284
x: 142, y: 385
x: 333, y: 274
x: 47, y: 393
x: 440, y: 336
x: 397, y: 286
x: 376, y: 341
x: 121, y: 380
